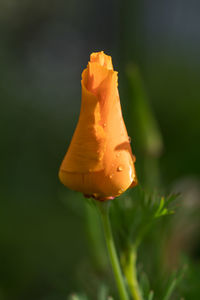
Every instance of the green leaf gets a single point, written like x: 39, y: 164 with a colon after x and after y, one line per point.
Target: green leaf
x: 151, y: 295
x: 163, y: 209
x: 103, y: 293
x: 174, y: 281
x: 134, y: 214
x: 77, y: 297
x: 145, y: 285
x: 145, y: 130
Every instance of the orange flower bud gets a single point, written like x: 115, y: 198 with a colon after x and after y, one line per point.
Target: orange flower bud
x: 99, y: 162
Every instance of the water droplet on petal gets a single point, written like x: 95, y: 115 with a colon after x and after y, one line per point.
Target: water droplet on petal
x: 104, y: 125
x: 119, y: 169
x: 120, y: 191
x: 129, y: 139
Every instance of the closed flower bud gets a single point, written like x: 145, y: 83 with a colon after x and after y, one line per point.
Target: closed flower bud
x: 99, y: 162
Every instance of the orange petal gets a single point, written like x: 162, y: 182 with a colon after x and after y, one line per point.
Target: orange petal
x: 99, y: 161
x: 102, y: 59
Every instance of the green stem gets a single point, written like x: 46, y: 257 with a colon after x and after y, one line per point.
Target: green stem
x: 95, y: 237
x: 170, y: 290
x: 103, y: 208
x: 130, y: 271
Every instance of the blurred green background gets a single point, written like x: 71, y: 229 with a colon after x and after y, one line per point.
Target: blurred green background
x: 44, y: 46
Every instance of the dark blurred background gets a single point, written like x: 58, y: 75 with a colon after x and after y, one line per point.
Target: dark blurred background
x: 44, y: 46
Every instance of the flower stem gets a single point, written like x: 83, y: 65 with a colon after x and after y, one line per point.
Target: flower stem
x: 131, y: 274
x: 104, y: 212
